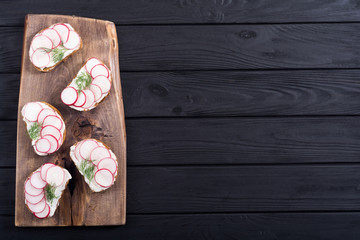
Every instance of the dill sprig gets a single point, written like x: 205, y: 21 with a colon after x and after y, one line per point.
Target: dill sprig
x: 58, y: 54
x: 83, y: 80
x: 87, y: 168
x: 50, y: 193
x: 34, y: 131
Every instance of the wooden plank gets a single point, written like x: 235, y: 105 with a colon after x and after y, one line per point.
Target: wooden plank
x: 9, y: 96
x: 156, y: 48
x: 186, y: 11
x: 294, y: 226
x: 105, y: 123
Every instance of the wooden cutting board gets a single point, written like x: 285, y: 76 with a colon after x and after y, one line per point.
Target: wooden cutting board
x: 78, y: 205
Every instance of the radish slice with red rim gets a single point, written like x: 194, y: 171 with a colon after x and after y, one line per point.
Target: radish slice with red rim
x: 29, y: 189
x: 54, y: 121
x: 55, y: 176
x: 44, y: 214
x: 36, y: 180
x: 77, y: 152
x: 44, y: 168
x: 53, y: 142
x: 31, y: 111
x: 34, y: 199
x: 63, y: 31
x: 42, y: 145
x: 40, y: 58
x: 81, y: 100
x: 97, y: 91
x: 99, y: 70
x: 69, y: 95
x: 103, y: 82
x: 104, y: 178
x: 73, y: 41
x: 51, y: 130
x: 108, y: 163
x: 44, y: 113
x: 91, y: 63
x: 86, y: 147
x: 99, y: 153
x: 53, y: 35
x: 38, y: 207
x: 41, y: 42
x: 90, y: 98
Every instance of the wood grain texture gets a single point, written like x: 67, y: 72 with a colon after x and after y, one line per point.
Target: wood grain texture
x: 189, y: 11
x: 106, y: 123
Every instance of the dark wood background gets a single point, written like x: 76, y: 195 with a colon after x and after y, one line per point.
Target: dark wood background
x: 242, y: 117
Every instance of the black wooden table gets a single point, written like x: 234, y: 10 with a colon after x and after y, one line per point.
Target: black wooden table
x: 242, y: 117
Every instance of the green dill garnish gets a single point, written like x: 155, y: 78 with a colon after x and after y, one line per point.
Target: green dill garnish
x: 34, y: 131
x: 58, y: 54
x: 83, y: 80
x: 87, y: 168
x: 50, y: 193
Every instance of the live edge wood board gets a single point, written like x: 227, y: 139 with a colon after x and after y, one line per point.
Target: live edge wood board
x: 78, y: 205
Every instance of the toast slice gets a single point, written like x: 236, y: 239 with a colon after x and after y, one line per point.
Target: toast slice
x: 91, y: 85
x: 43, y: 189
x: 96, y: 162
x: 45, y: 126
x: 53, y: 45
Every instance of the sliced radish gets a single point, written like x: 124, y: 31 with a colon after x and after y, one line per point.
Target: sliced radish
x: 41, y: 42
x: 90, y: 98
x: 44, y: 113
x: 81, y: 100
x: 69, y: 95
x: 104, y: 178
x: 63, y: 31
x: 77, y: 152
x: 44, y: 168
x: 53, y: 121
x: 53, y: 35
x: 31, y: 111
x: 44, y: 214
x: 42, y: 145
x: 55, y: 176
x: 51, y: 130
x: 36, y: 180
x: 53, y: 142
x: 73, y: 41
x: 108, y: 163
x: 91, y: 63
x: 97, y: 91
x: 86, y: 147
x: 40, y: 58
x: 99, y: 153
x: 103, y: 82
x: 29, y: 189
x: 38, y: 207
x: 34, y: 199
x: 99, y: 70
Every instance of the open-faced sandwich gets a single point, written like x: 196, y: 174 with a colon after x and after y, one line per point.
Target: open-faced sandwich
x: 52, y: 45
x: 96, y: 162
x: 43, y: 189
x: 89, y: 87
x: 45, y: 127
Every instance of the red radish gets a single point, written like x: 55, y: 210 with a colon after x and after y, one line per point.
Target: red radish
x: 31, y: 111
x: 55, y: 176
x: 99, y: 70
x: 90, y: 98
x: 99, y: 153
x: 73, y: 41
x: 54, y: 143
x: 104, y: 178
x: 44, y: 214
x: 36, y: 181
x: 42, y: 145
x: 97, y: 91
x: 77, y: 152
x: 108, y: 163
x: 40, y: 58
x: 31, y: 190
x: 103, y: 82
x: 44, y: 113
x: 69, y: 95
x: 43, y: 170
x: 86, y: 147
x: 91, y: 63
x: 41, y: 42
x: 81, y: 100
x: 34, y: 199
x: 53, y: 121
x: 38, y: 207
x: 63, y: 31
x: 51, y: 130
x: 53, y: 35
